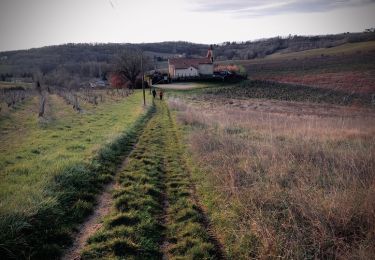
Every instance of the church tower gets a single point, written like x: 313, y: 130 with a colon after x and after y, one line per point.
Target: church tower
x: 210, y: 54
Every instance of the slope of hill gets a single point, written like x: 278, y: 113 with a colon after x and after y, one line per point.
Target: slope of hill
x: 349, y: 67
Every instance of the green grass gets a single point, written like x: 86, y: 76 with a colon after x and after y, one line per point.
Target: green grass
x: 51, y: 172
x: 186, y: 85
x: 187, y: 237
x: 32, y: 152
x: 133, y: 230
x: 155, y: 173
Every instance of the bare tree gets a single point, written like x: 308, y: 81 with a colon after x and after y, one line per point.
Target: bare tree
x: 129, y: 64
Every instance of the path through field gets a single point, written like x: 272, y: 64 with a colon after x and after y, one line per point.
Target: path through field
x: 92, y: 224
x: 154, y: 212
x: 180, y: 86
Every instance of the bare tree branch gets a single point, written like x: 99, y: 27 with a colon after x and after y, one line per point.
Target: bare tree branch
x: 128, y: 64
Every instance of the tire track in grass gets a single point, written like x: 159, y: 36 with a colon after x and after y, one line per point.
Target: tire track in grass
x: 189, y: 232
x: 92, y: 223
x: 134, y: 229
x: 105, y: 201
x: 155, y: 214
x: 208, y: 226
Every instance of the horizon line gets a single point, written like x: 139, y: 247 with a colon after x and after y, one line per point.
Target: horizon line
x: 139, y: 43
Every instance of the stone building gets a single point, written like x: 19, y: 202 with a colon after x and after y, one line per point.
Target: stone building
x: 191, y: 67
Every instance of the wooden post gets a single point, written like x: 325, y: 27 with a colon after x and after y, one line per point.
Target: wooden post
x: 42, y: 105
x: 143, y: 76
x: 150, y: 84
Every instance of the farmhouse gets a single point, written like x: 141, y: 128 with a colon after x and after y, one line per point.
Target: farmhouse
x: 191, y: 67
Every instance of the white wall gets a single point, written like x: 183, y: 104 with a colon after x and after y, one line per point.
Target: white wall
x: 189, y: 72
x: 206, y: 69
x: 171, y: 70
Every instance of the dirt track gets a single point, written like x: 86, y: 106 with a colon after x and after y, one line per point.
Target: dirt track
x: 92, y: 224
x: 180, y: 86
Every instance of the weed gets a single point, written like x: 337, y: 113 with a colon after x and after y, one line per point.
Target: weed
x: 290, y: 184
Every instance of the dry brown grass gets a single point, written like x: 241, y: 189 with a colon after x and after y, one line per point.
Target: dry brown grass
x: 280, y: 182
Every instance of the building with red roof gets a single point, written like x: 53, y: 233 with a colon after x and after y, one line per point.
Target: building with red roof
x: 191, y: 67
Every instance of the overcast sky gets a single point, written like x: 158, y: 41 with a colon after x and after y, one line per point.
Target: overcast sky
x: 35, y: 23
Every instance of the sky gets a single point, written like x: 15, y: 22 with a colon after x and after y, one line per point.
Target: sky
x: 27, y: 24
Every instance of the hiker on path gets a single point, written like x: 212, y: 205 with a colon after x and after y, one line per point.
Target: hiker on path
x: 154, y: 93
x: 161, y: 94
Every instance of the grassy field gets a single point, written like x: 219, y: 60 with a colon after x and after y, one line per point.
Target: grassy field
x: 52, y: 169
x: 283, y: 179
x: 261, y: 89
x: 182, y: 85
x: 255, y: 169
x: 27, y: 144
x: 349, y: 67
x: 154, y: 213
x: 345, y: 49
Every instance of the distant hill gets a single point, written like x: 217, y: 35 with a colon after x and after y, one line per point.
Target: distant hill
x: 262, y: 48
x: 67, y: 65
x: 349, y: 67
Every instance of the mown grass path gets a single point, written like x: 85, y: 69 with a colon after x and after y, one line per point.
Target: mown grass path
x: 155, y: 215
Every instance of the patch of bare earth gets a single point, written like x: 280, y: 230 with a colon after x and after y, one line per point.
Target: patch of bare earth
x: 92, y: 224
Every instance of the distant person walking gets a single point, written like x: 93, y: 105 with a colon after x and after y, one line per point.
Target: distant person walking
x: 154, y: 93
x: 161, y: 94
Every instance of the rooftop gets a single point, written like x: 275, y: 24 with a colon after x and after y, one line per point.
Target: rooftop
x: 183, y: 63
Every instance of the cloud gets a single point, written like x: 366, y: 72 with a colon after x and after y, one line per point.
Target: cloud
x: 254, y: 8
